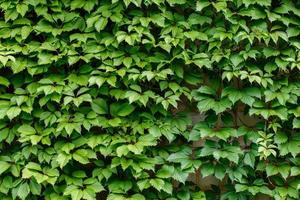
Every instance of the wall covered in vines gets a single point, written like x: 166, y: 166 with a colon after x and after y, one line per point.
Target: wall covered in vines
x: 100, y: 99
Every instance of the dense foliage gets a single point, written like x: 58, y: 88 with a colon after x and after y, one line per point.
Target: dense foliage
x: 97, y: 99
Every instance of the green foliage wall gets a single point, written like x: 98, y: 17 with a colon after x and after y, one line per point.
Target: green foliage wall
x: 96, y: 96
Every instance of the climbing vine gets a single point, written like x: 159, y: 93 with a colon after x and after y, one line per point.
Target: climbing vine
x: 149, y: 99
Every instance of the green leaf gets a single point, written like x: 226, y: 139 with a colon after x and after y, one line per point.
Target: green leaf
x: 207, y: 169
x: 137, y: 197
x: 280, y: 138
x: 3, y: 60
x: 4, y: 81
x: 4, y: 166
x: 101, y: 23
x: 77, y: 194
x: 26, y: 129
x: 296, y: 123
x: 115, y: 122
x: 295, y: 171
x: 284, y: 170
x: 122, y: 150
x: 99, y: 106
x: 183, y: 195
x: 121, y: 109
x: 202, y: 4
x: 157, y: 183
x: 127, y: 62
x: 35, y: 188
x: 63, y: 159
x: 120, y: 186
x: 22, y: 9
x: 198, y: 196
x: 23, y: 191
x: 77, y: 4
x: 220, y: 172
x: 271, y: 170
x: 181, y: 175
x: 44, y: 58
x: 83, y: 156
x: 249, y: 159
x: 25, y: 31
x: 155, y: 131
x: 13, y: 112
x: 193, y: 35
x: 165, y: 172
x: 135, y: 148
x: 112, y: 81
x: 236, y: 59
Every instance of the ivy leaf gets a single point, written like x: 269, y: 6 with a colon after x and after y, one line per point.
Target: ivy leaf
x: 246, y: 95
x: 143, y: 184
x: 77, y: 4
x: 165, y: 172
x: 135, y: 148
x: 202, y: 4
x: 236, y: 59
x: 280, y: 138
x: 198, y: 195
x: 122, y: 150
x: 35, y: 188
x: 219, y: 172
x: 249, y: 159
x: 120, y: 186
x: 23, y: 191
x: 83, y: 156
x: 25, y: 31
x: 294, y: 148
x: 295, y: 171
x: 127, y: 62
x: 155, y: 131
x: 284, y: 170
x: 101, y: 23
x: 63, y: 159
x: 4, y: 166
x: 296, y: 123
x: 137, y: 197
x: 221, y: 106
x: 26, y: 129
x: 13, y: 112
x: 121, y: 109
x: 193, y: 35
x: 22, y: 9
x: 99, y: 106
x: 207, y: 169
x: 157, y: 183
x: 4, y: 81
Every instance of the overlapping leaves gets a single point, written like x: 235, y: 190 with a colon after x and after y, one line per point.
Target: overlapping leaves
x: 92, y: 94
